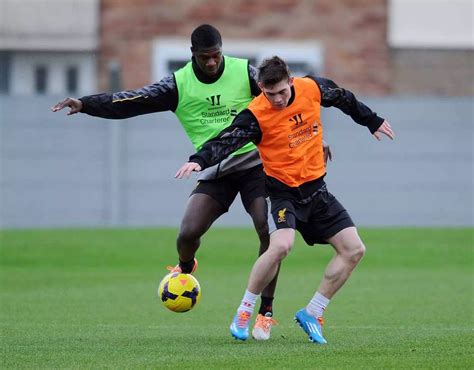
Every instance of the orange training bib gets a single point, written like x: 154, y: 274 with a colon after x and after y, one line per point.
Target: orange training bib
x: 291, y: 147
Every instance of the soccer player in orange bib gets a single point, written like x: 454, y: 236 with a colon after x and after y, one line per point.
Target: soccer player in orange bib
x: 285, y: 124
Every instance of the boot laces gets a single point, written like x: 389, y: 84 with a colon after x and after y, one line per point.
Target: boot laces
x: 265, y: 322
x: 243, y: 318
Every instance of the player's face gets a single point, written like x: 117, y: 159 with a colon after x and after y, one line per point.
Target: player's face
x: 209, y: 60
x: 279, y: 94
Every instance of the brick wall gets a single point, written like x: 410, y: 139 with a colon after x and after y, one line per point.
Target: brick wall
x: 438, y: 72
x: 352, y: 32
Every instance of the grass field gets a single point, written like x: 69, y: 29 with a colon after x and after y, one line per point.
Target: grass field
x: 87, y: 299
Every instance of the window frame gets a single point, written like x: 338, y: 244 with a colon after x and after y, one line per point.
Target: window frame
x: 166, y: 50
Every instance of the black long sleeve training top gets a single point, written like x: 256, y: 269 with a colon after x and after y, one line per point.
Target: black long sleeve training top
x: 245, y: 127
x: 159, y: 97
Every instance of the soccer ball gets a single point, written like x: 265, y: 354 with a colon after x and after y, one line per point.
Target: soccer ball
x: 179, y: 292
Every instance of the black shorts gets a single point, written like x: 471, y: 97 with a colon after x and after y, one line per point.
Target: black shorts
x: 249, y: 183
x: 317, y: 220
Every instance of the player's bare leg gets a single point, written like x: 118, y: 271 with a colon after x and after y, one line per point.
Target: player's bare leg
x: 349, y: 251
x: 267, y: 265
x: 263, y: 271
x: 201, y: 212
x: 258, y: 212
x: 264, y: 320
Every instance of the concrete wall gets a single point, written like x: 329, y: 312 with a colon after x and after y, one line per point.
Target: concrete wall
x: 83, y: 171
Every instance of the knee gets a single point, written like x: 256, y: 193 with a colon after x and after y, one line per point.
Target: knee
x: 351, y: 251
x: 355, y: 252
x: 188, y: 234
x: 281, y: 250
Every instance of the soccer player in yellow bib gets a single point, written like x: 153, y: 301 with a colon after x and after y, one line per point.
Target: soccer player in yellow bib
x: 284, y: 122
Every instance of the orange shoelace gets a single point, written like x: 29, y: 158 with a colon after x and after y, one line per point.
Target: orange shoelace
x: 177, y: 268
x: 173, y: 268
x: 243, y: 319
x: 320, y: 320
x: 265, y: 322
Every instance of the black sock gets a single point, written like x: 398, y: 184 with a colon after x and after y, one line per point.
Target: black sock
x: 186, y: 267
x: 266, y: 305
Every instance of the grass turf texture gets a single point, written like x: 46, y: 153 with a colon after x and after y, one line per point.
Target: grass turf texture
x: 87, y: 299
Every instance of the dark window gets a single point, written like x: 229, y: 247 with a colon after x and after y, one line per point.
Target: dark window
x: 41, y: 78
x: 72, y: 79
x: 115, y: 76
x: 174, y: 65
x: 5, y: 63
x: 301, y: 69
x: 251, y: 60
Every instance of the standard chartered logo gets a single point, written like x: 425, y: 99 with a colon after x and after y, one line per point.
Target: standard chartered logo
x: 215, y: 113
x: 215, y: 116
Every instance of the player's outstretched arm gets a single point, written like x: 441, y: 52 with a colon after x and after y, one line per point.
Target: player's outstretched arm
x: 186, y: 169
x: 75, y: 106
x: 158, y: 97
x: 385, y: 129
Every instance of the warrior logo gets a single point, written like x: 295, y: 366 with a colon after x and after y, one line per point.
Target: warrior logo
x: 214, y: 100
x: 297, y: 120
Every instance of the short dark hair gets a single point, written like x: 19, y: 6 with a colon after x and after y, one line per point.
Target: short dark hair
x: 205, y: 36
x: 273, y: 70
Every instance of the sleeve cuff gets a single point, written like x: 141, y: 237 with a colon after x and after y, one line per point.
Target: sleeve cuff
x: 374, y: 125
x: 84, y: 104
x: 198, y: 160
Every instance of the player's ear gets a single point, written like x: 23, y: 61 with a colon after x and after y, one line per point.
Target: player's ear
x: 290, y: 81
x: 260, y: 85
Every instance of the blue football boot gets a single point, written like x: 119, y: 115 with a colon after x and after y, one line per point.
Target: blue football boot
x: 311, y: 325
x: 239, y: 328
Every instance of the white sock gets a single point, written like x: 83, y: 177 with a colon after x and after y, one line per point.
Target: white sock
x: 317, y: 305
x: 248, y: 302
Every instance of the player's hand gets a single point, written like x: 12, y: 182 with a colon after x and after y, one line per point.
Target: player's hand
x: 75, y: 106
x: 385, y: 129
x: 327, y: 152
x: 186, y: 170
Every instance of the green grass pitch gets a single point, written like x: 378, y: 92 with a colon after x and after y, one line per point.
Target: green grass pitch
x: 87, y: 299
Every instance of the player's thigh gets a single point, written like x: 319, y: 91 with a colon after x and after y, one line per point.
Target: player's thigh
x: 200, y: 213
x: 223, y: 190
x: 347, y: 242
x: 281, y: 241
x: 251, y: 185
x: 281, y: 214
x: 258, y: 211
x: 327, y: 218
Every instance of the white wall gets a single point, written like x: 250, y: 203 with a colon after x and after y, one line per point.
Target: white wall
x: 23, y: 64
x: 439, y: 24
x: 70, y: 25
